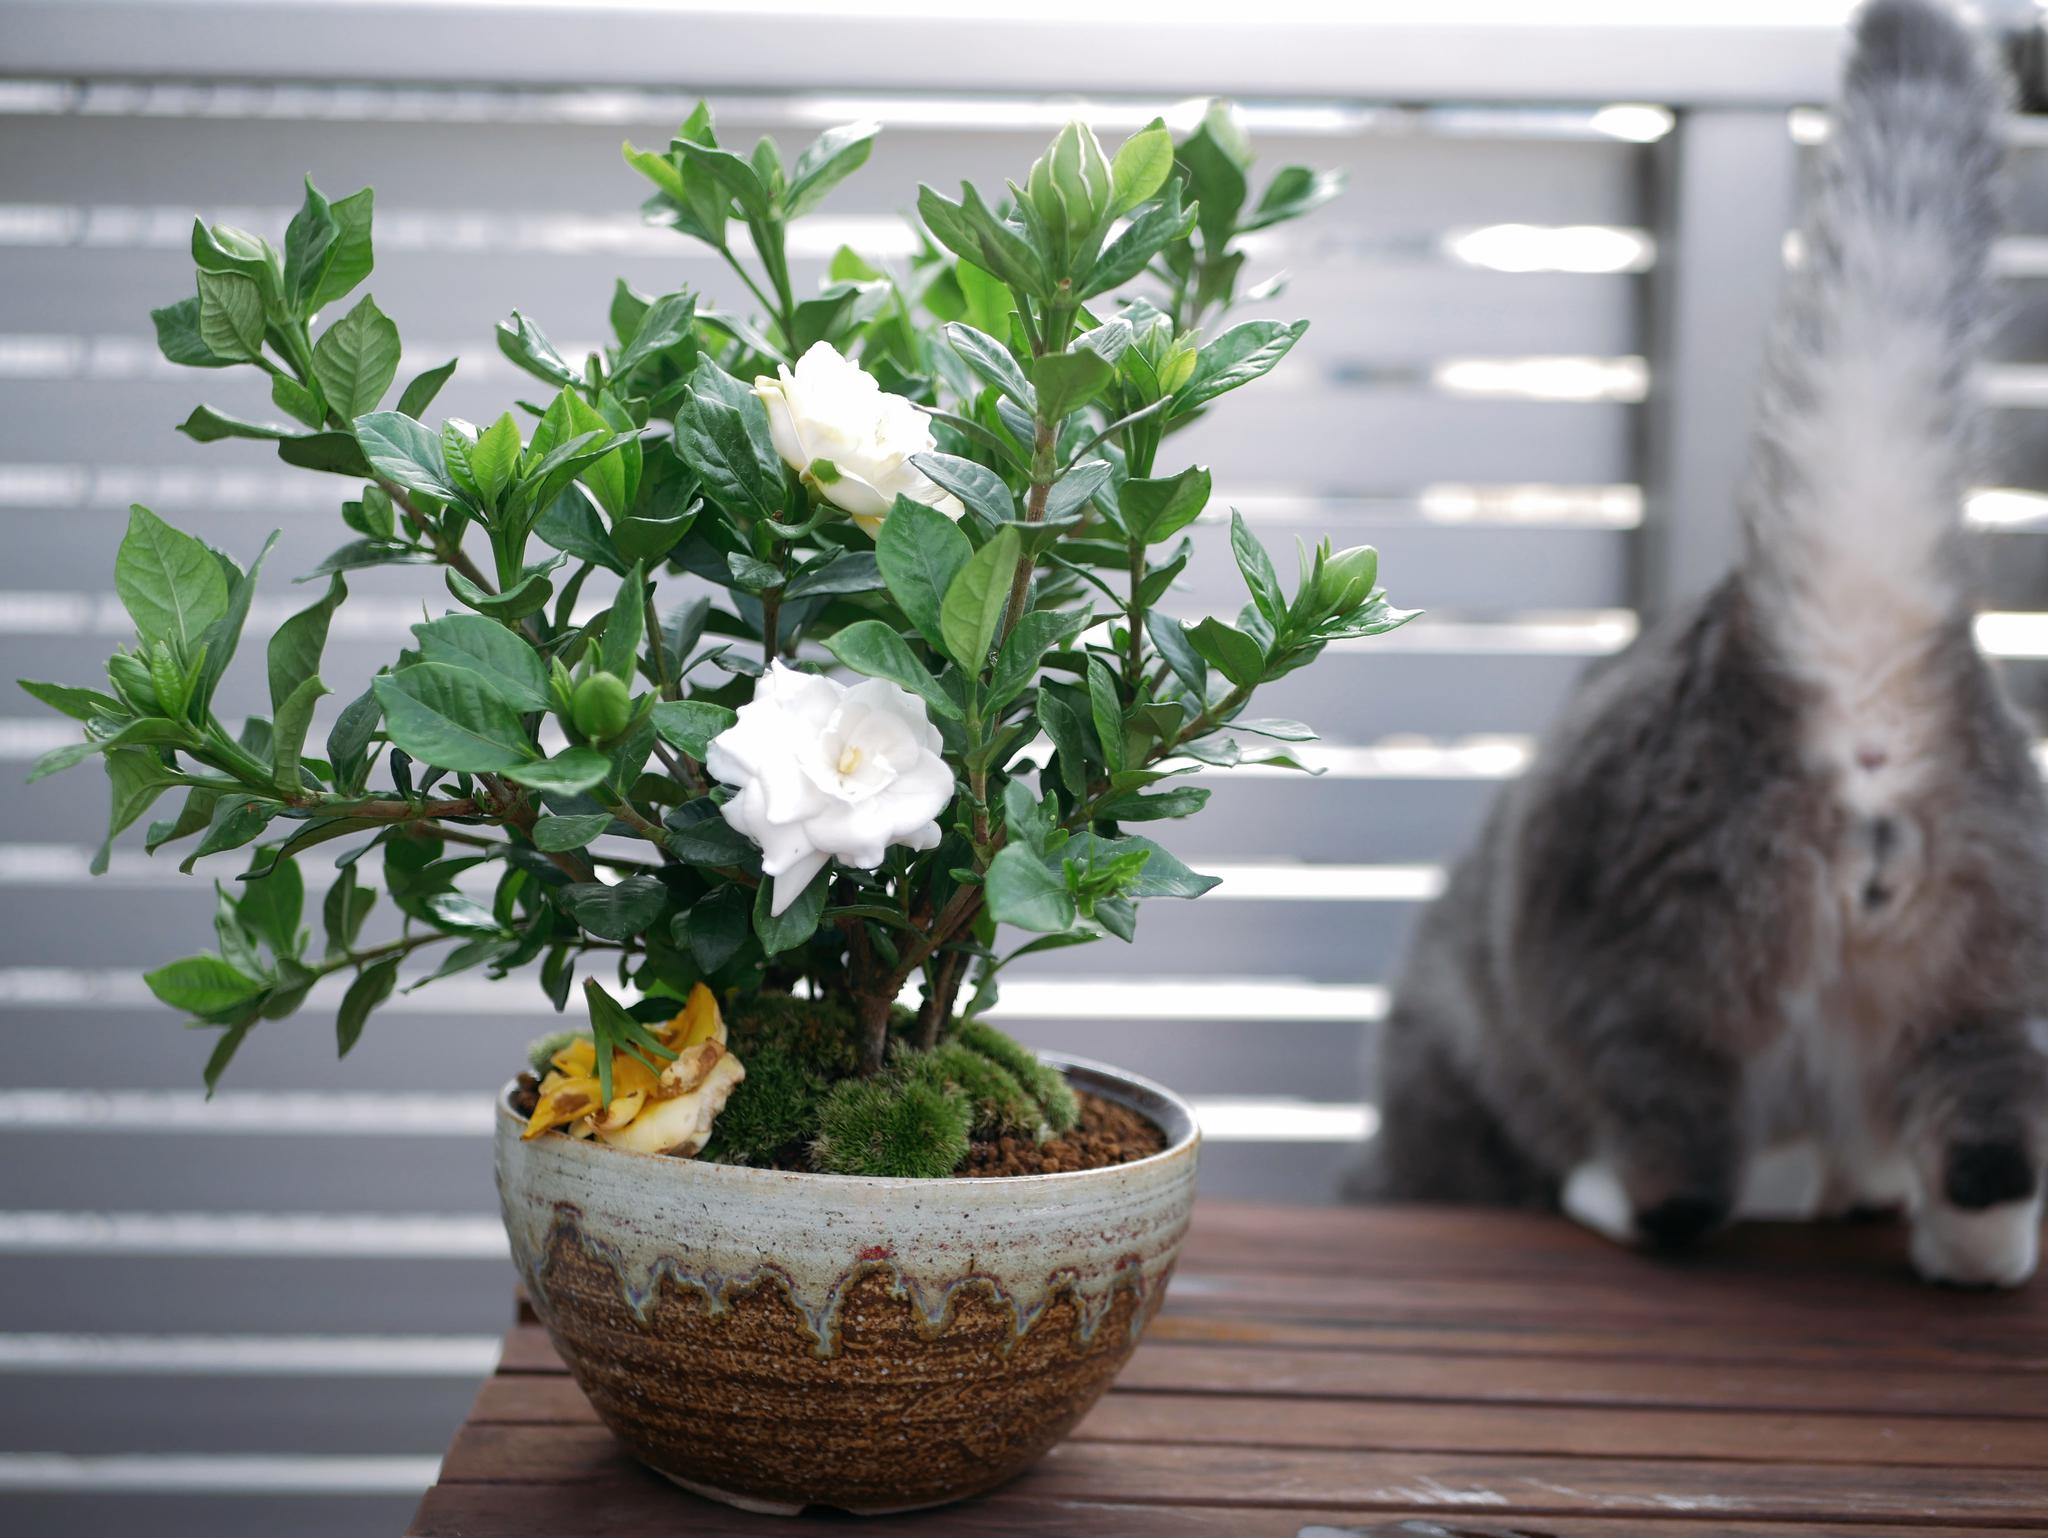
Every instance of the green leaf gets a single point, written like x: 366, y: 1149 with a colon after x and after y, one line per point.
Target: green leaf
x: 294, y: 718
x: 1257, y: 567
x: 1141, y: 240
x: 734, y: 176
x: 716, y: 928
x: 1215, y: 156
x: 346, y: 907
x: 979, y: 487
x: 1140, y: 168
x: 559, y: 834
x: 569, y: 773
x: 920, y: 552
x: 408, y: 452
x: 869, y: 646
x: 722, y: 434
x: 1075, y: 489
x: 371, y: 987
x: 237, y: 820
x: 205, y: 425
x: 571, y: 524
x: 178, y: 338
x: 529, y: 595
x: 356, y: 359
x: 1038, y: 631
x: 779, y: 932
x: 670, y: 320
x: 698, y: 835
x: 1162, y: 875
x: 295, y: 647
x: 625, y: 628
x: 336, y: 453
x: 170, y: 584
x: 202, y: 985
x: 1067, y: 381
x: 826, y: 162
x: 615, y: 912
x: 348, y: 743
x: 1063, y: 725
x: 527, y: 345
x: 348, y: 257
x: 230, y: 315
x: 360, y: 553
x: 1024, y: 893
x: 1238, y: 656
x: 57, y: 760
x: 298, y: 402
x: 1243, y: 353
x: 689, y: 725
x: 506, y: 662
x: 272, y: 904
x: 1107, y: 712
x: 1293, y: 191
x: 414, y: 400
x: 1156, y: 510
x: 79, y: 704
x: 1171, y: 637
x: 992, y: 361
x: 449, y: 717
x: 976, y: 597
x: 837, y: 571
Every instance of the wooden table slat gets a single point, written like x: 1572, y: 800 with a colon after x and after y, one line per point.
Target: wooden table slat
x: 1500, y: 1375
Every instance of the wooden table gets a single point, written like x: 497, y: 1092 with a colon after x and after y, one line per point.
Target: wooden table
x: 1463, y: 1373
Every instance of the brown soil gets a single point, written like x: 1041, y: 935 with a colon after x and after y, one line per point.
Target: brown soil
x: 1108, y: 1134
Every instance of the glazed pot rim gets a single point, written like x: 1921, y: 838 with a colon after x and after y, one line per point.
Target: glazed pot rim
x: 1131, y: 1090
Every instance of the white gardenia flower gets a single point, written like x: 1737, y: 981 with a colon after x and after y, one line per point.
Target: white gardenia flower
x: 827, y: 772
x: 831, y: 410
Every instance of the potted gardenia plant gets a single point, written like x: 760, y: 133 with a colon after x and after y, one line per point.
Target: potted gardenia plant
x: 791, y: 656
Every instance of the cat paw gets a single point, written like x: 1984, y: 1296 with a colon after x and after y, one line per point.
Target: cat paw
x: 1594, y: 1196
x: 1996, y: 1246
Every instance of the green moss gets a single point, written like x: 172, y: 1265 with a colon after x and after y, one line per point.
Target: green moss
x: 792, y: 1050
x: 999, y: 1102
x: 773, y: 1110
x: 892, y: 1125
x: 539, y: 1052
x: 1048, y: 1086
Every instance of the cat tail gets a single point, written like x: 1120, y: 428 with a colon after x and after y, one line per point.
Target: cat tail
x: 1868, y: 426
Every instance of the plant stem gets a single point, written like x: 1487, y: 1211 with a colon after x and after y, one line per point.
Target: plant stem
x: 771, y: 625
x: 1043, y: 473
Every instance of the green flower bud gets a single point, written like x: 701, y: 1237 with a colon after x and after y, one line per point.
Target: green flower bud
x: 129, y: 675
x: 168, y: 681
x: 602, y: 707
x: 1347, y: 579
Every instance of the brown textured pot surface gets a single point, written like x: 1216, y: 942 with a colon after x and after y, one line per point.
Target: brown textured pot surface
x: 779, y: 1340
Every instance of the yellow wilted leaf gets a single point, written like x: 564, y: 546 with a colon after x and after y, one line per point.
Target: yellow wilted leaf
x: 564, y: 1103
x: 698, y: 1021
x: 620, y: 1112
x: 630, y: 1076
x: 578, y: 1060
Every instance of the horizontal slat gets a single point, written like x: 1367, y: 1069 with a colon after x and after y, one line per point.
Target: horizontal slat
x: 216, y: 1473
x: 1417, y: 175
x: 1686, y: 50
x: 247, y: 1356
x: 187, y: 1515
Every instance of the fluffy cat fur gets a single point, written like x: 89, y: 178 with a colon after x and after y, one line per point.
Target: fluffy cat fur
x: 1781, y: 875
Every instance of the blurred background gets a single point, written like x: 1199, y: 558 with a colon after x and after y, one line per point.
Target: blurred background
x: 1537, y: 310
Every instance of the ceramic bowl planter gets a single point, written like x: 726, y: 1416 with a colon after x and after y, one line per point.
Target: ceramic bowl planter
x: 777, y: 1340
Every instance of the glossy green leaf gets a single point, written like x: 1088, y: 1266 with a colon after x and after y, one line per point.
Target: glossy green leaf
x: 920, y: 551
x: 615, y: 912
x: 372, y: 986
x: 356, y: 359
x: 689, y: 725
x: 507, y: 663
x: 202, y: 985
x: 569, y: 773
x: 1024, y: 893
x: 448, y: 716
x: 869, y: 646
x: 559, y: 834
x: 1156, y: 510
x: 975, y: 599
x: 170, y: 584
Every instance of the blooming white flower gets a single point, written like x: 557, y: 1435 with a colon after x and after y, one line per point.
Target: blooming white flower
x: 827, y: 772
x: 832, y: 410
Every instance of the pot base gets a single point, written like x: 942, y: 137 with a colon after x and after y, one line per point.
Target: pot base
x: 766, y: 1508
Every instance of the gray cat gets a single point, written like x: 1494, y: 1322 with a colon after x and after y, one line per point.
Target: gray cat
x: 1780, y: 877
